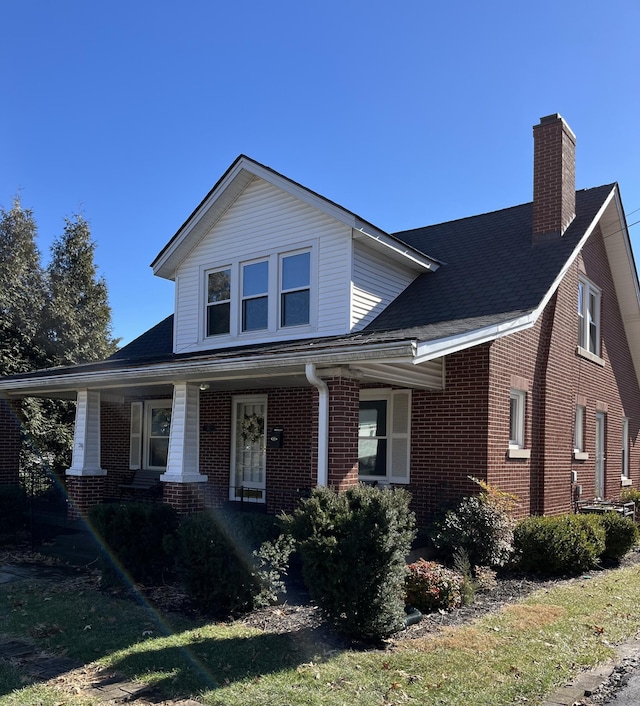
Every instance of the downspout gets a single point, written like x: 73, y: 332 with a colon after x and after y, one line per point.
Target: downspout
x: 323, y: 423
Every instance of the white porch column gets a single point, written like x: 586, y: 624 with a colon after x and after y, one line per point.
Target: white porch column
x: 86, y: 436
x: 184, y: 438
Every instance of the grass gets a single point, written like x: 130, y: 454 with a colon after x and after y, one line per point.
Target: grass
x: 518, y: 655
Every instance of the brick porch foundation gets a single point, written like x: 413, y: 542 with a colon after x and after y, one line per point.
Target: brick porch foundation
x: 83, y: 493
x: 185, y: 497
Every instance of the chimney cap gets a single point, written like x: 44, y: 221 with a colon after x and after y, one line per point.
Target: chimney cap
x: 556, y: 117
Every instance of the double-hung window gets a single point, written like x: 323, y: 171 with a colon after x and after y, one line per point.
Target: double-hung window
x: 589, y: 316
x: 384, y: 435
x: 625, y: 449
x: 149, y: 438
x: 517, y: 403
x: 265, y: 294
x: 219, y: 302
x: 255, y: 296
x: 295, y: 289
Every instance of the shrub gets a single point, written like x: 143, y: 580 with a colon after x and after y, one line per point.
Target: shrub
x: 482, y: 526
x: 621, y: 534
x: 431, y: 586
x: 554, y: 546
x: 353, y: 546
x: 215, y: 554
x: 13, y: 505
x: 631, y: 495
x: 137, y: 538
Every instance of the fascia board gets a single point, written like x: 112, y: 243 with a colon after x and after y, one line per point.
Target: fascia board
x: 390, y: 352
x: 428, y: 350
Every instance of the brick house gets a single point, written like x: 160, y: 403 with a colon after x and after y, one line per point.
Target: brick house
x: 308, y: 347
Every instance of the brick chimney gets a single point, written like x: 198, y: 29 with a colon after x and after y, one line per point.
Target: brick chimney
x: 554, y: 178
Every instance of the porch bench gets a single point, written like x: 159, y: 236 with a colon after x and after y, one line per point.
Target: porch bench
x: 144, y: 483
x: 600, y: 507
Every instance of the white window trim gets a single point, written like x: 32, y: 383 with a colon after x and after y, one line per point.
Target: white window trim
x: 624, y: 474
x: 579, y: 454
x: 520, y: 397
x: 588, y: 290
x: 274, y: 328
x: 393, y: 437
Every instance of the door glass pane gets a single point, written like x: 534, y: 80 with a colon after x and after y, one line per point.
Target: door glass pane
x: 250, y: 456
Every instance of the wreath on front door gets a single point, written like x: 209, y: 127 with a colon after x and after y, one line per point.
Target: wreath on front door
x: 252, y: 427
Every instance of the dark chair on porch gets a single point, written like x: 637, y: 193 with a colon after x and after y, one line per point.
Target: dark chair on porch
x: 144, y: 485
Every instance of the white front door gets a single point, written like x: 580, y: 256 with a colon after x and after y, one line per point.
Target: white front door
x: 248, y: 449
x: 600, y: 457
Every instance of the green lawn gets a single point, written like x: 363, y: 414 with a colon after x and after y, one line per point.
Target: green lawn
x: 516, y: 656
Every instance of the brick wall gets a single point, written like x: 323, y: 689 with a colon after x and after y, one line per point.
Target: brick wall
x: 83, y: 493
x: 344, y: 399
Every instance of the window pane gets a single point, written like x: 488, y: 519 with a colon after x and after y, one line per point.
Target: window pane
x: 255, y: 314
x: 373, y: 418
x: 295, y: 308
x: 255, y: 279
x: 372, y: 457
x: 295, y: 271
x: 219, y: 286
x: 218, y: 319
x: 158, y: 451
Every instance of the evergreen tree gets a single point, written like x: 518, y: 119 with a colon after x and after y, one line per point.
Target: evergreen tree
x: 22, y: 292
x: 78, y: 311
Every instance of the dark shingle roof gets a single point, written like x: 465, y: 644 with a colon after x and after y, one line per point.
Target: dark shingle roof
x: 492, y: 272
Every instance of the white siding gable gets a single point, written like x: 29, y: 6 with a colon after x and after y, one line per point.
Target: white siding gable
x: 376, y: 283
x: 265, y: 220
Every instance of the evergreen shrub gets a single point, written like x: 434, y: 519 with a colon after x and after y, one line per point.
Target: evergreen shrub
x: 218, y: 562
x: 559, y: 545
x: 353, y: 546
x: 481, y: 525
x: 621, y: 534
x: 431, y: 586
x: 138, y: 540
x: 13, y: 505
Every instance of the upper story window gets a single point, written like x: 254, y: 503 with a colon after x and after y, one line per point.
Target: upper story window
x: 261, y: 295
x: 589, y: 316
x: 255, y: 296
x: 295, y: 289
x: 218, y: 302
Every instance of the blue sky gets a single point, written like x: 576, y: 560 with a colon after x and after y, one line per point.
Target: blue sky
x: 408, y: 113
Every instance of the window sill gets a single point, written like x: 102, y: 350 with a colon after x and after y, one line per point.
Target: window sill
x: 581, y: 455
x: 625, y: 482
x: 519, y: 453
x: 584, y: 353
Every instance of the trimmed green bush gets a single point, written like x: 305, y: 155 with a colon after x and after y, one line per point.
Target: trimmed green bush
x: 13, y: 505
x: 215, y: 554
x: 559, y: 545
x: 431, y: 586
x: 621, y: 534
x: 353, y: 546
x: 138, y: 540
x: 481, y: 526
x: 631, y: 495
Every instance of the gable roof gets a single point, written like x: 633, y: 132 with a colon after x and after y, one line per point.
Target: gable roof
x: 493, y: 273
x: 232, y: 184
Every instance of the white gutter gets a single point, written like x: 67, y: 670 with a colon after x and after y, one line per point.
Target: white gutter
x: 323, y: 423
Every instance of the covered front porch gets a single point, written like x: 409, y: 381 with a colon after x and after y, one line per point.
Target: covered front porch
x: 257, y: 431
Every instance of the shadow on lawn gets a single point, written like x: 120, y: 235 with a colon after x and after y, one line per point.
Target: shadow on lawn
x: 212, y: 663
